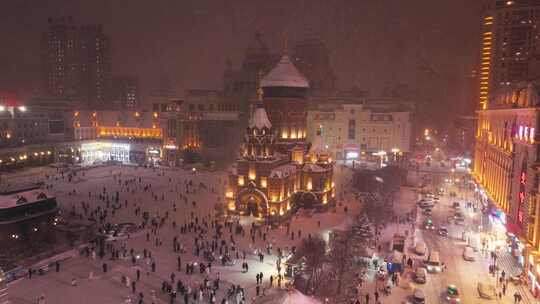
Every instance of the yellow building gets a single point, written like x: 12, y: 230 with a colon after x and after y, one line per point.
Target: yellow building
x: 356, y: 131
x: 506, y: 164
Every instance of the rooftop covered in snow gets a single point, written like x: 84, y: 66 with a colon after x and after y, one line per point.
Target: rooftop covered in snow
x: 285, y: 74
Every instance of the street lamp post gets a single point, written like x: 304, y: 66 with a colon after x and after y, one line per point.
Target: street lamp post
x: 395, y: 151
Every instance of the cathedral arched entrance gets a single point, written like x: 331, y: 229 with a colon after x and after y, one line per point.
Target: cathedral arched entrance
x: 306, y: 199
x: 252, y: 202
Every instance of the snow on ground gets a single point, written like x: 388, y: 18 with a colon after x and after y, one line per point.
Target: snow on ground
x: 169, y: 184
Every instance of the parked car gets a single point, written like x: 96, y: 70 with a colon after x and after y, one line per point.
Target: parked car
x: 458, y: 214
x: 418, y: 296
x: 425, y: 204
x: 468, y: 254
x: 427, y: 211
x: 452, y: 294
x: 420, y: 248
x: 486, y: 291
x: 420, y: 275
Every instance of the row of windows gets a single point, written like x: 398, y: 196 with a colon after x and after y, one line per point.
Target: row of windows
x: 210, y: 108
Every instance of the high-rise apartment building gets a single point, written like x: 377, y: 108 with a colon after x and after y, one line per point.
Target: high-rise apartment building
x: 510, y: 49
x: 76, y: 60
x: 507, y: 142
x: 125, y: 90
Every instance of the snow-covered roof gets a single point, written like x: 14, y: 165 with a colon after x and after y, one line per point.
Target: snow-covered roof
x: 283, y: 171
x: 285, y: 74
x: 314, y: 168
x: 282, y: 296
x: 296, y: 297
x: 23, y: 197
x: 318, y: 146
x: 260, y: 118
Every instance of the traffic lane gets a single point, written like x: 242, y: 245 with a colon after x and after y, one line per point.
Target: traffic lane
x: 451, y: 254
x: 464, y: 274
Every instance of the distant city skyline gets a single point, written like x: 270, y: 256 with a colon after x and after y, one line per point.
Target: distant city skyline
x: 371, y: 45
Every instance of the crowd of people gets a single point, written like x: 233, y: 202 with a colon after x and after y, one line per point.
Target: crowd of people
x: 177, y: 223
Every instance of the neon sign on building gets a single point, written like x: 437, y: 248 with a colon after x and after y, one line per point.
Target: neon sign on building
x: 521, y: 196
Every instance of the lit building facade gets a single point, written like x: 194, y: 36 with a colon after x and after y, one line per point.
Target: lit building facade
x: 505, y: 155
x: 356, y: 131
x: 135, y: 137
x: 509, y: 46
x: 203, y: 122
x: 506, y: 165
x: 277, y: 170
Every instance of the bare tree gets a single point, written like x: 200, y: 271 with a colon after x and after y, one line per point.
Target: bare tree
x: 341, y: 255
x: 313, y: 252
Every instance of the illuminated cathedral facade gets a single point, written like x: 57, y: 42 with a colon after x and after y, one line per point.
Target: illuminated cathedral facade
x: 277, y: 171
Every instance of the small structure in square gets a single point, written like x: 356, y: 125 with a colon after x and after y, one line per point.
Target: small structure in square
x: 277, y: 170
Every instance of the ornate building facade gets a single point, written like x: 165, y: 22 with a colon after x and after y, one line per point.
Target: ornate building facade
x: 506, y: 165
x: 277, y: 170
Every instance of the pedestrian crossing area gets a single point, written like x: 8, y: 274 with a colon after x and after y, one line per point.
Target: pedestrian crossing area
x: 506, y: 262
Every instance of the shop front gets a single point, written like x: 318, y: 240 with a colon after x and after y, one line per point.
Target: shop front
x: 170, y: 154
x: 103, y: 151
x: 153, y: 155
x: 351, y: 152
x: 533, y: 274
x: 493, y: 230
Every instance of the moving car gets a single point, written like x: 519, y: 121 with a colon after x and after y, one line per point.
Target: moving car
x: 456, y: 205
x: 419, y: 297
x: 420, y: 275
x: 468, y: 254
x: 433, y: 262
x: 486, y: 291
x: 428, y: 224
x: 452, y: 294
x: 427, y: 211
x: 425, y: 204
x: 443, y: 231
x: 459, y: 221
x: 420, y: 248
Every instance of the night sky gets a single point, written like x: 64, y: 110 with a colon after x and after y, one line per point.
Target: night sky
x: 373, y: 43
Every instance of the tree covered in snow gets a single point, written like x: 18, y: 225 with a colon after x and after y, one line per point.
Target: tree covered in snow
x: 341, y: 256
x: 312, y: 257
x: 377, y: 208
x: 362, y: 229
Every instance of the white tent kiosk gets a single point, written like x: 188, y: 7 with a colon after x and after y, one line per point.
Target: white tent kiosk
x: 292, y: 296
x: 296, y: 297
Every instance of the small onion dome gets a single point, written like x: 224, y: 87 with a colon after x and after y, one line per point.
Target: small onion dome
x: 260, y: 119
x: 318, y: 146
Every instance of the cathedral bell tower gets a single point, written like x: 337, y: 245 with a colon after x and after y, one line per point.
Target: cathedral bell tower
x: 259, y: 140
